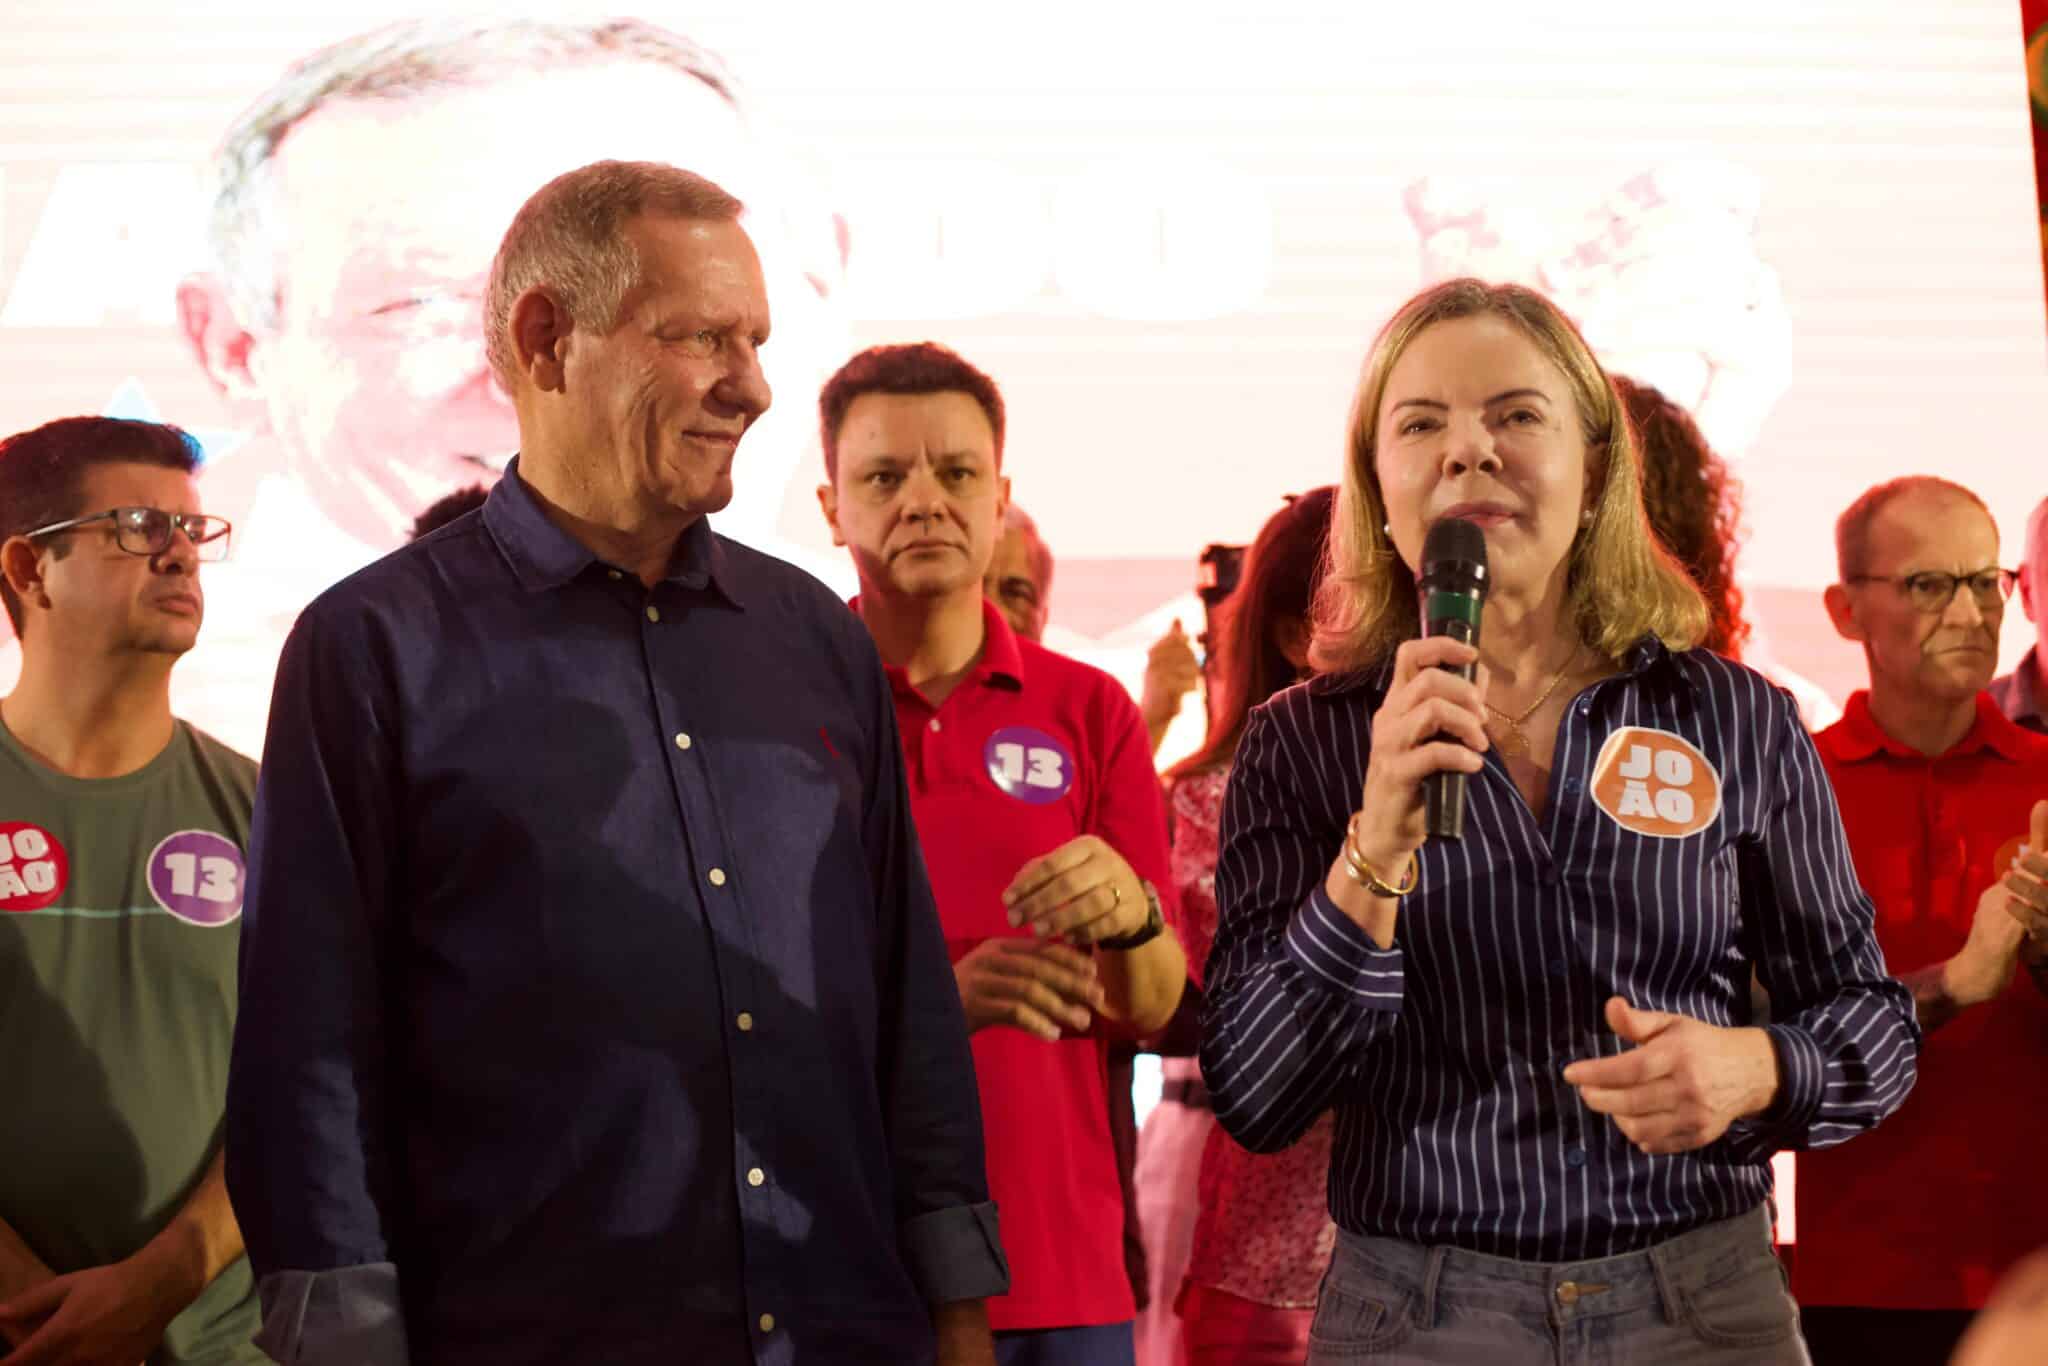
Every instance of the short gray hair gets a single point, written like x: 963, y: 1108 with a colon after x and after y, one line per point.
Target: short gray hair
x: 402, y: 60
x: 570, y: 239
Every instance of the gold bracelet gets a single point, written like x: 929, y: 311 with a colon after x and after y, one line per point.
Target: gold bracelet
x: 1360, y: 871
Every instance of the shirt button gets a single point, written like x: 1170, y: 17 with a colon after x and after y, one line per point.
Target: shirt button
x: 615, y: 574
x: 1584, y: 707
x: 717, y: 876
x: 767, y: 1323
x: 1572, y: 787
x: 755, y: 1176
x: 745, y: 1022
x: 682, y: 739
x: 1575, y: 1157
x: 1557, y: 970
x: 653, y: 612
x: 936, y: 725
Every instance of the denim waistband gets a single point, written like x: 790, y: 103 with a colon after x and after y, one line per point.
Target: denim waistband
x: 1651, y: 1279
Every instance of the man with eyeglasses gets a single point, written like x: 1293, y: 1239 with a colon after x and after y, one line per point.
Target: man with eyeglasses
x: 1903, y: 1233
x: 122, y: 831
x: 2023, y: 693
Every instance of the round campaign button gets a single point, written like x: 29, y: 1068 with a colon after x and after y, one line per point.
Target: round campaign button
x: 1656, y: 782
x: 198, y: 876
x: 34, y: 869
x: 1029, y: 765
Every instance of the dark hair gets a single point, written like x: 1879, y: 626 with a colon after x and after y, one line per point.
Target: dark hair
x: 447, y: 508
x: 42, y: 473
x: 916, y: 368
x: 1282, y: 572
x: 1694, y: 505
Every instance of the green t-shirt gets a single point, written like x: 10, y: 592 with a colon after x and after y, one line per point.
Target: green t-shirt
x: 120, y: 916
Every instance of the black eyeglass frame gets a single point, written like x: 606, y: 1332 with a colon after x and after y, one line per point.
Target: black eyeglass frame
x: 2004, y: 581
x: 202, y: 529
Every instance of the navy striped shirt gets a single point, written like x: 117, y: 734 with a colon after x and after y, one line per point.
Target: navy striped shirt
x: 1441, y: 1054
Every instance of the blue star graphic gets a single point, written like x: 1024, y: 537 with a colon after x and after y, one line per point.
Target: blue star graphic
x: 131, y: 400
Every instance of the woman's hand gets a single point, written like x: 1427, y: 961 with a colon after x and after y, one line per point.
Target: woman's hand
x: 1433, y: 721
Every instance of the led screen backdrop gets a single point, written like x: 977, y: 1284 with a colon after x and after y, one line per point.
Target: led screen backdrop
x: 1169, y: 231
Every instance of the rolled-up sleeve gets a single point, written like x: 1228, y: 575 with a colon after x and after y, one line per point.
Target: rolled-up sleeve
x: 1296, y: 990
x: 308, y: 1155
x: 946, y: 1222
x: 1843, y: 1030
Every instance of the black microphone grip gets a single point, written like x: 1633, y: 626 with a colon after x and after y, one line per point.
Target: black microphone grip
x: 1451, y: 595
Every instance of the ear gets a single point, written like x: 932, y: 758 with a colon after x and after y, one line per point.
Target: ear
x: 216, y: 338
x: 1002, y: 501
x: 2027, y: 590
x: 21, y: 562
x: 1842, y: 612
x: 828, y: 503
x: 540, y: 329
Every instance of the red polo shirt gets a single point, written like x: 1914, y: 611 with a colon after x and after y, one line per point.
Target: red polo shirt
x: 1029, y: 751
x: 1928, y: 1210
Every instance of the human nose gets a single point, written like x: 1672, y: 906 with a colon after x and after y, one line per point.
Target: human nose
x: 180, y: 553
x: 1469, y: 447
x: 923, y: 496
x: 745, y: 385
x: 1963, y: 609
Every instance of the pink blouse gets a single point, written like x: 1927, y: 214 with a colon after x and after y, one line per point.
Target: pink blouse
x: 1264, y: 1230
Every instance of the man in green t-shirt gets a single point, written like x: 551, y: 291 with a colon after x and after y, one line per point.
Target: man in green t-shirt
x: 122, y: 832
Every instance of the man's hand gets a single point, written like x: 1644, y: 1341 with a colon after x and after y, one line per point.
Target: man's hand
x: 1171, y: 673
x: 1036, y: 987
x: 1081, y: 892
x: 962, y: 1331
x: 2026, y: 882
x: 112, y: 1315
x: 1984, y: 965
x: 1683, y: 1084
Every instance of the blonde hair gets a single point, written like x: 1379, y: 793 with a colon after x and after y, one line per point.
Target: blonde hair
x: 570, y: 238
x: 1621, y: 584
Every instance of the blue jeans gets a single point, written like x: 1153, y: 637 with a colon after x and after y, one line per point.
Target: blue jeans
x: 1713, y: 1297
x: 1108, y: 1344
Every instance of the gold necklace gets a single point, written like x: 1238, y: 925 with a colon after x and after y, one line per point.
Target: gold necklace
x: 1516, y: 743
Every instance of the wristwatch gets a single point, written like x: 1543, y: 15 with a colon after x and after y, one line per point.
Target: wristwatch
x: 1155, y: 924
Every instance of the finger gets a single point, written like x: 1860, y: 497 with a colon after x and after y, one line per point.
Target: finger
x: 1650, y: 1098
x: 1178, y: 631
x: 37, y: 1300
x: 1637, y: 1026
x: 1620, y: 1072
x: 1039, y: 871
x: 1048, y: 897
x: 2026, y: 889
x: 1043, y: 1001
x: 47, y: 1346
x: 1070, y: 985
x: 1086, y: 918
x: 1441, y: 756
x: 2037, y: 828
x: 1430, y: 683
x: 1022, y: 1014
x: 1437, y: 717
x: 2033, y: 922
x: 1430, y: 652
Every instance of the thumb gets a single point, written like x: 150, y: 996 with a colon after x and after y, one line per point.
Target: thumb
x: 2037, y: 834
x: 1181, y: 631
x: 37, y: 1301
x: 1637, y: 1026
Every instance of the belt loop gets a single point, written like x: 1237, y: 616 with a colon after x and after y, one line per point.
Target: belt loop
x: 1432, y: 1272
x: 1667, y: 1284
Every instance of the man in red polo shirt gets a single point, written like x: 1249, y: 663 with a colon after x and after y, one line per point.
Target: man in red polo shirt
x: 1041, y: 821
x: 1902, y: 1233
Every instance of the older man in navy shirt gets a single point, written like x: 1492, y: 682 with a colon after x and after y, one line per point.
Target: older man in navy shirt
x: 594, y: 1004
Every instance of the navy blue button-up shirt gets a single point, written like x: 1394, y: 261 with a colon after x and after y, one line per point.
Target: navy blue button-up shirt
x: 1704, y: 840
x: 594, y: 1005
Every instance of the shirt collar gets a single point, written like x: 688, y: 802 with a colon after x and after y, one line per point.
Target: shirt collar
x: 1858, y: 736
x: 1002, y: 659
x: 544, y: 556
x: 2023, y: 689
x: 1647, y: 654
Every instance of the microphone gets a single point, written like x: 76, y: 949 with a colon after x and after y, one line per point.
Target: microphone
x: 1452, y: 590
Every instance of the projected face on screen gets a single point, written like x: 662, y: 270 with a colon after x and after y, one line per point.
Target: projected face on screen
x: 380, y: 220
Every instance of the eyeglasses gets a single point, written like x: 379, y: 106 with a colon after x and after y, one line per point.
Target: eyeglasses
x: 1932, y: 591
x: 147, y: 531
